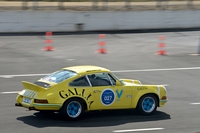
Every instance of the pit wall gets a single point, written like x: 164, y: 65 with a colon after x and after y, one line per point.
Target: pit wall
x: 61, y: 21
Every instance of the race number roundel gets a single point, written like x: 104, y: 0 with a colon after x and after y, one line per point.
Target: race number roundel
x: 107, y: 97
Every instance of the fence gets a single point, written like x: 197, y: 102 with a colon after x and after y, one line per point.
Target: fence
x: 104, y: 5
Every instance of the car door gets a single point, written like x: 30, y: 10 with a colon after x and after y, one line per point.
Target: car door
x: 107, y: 94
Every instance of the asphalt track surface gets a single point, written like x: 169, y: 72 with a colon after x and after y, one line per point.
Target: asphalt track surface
x: 129, y: 56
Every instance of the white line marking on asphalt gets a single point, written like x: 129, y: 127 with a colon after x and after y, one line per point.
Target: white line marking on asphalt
x: 22, y: 75
x: 159, y: 85
x: 11, y: 92
x: 164, y: 69
x: 119, y: 71
x: 136, y: 130
x: 195, y: 103
x: 70, y: 59
x: 165, y: 85
x: 8, y: 76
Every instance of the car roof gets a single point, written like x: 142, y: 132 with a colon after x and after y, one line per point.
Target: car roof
x: 86, y: 68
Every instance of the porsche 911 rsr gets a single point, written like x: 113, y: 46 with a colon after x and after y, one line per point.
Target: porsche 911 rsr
x: 74, y: 90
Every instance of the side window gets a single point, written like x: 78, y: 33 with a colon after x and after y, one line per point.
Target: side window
x: 112, y: 79
x: 79, y: 82
x: 99, y: 79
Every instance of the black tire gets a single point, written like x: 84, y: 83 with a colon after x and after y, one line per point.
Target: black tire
x: 46, y: 112
x: 72, y: 109
x: 147, y: 105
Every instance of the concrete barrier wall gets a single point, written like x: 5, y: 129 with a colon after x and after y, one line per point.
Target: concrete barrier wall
x: 57, y: 21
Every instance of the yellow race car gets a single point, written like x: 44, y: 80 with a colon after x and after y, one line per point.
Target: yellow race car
x: 74, y: 90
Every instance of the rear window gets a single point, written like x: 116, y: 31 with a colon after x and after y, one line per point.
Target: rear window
x: 45, y: 85
x: 59, y: 76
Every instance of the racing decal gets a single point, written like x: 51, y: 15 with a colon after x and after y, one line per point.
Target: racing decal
x: 119, y: 94
x: 64, y: 94
x: 89, y: 96
x: 74, y: 92
x: 142, y: 88
x: 107, y: 97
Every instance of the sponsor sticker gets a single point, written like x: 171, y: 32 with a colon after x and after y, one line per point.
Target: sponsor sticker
x: 119, y: 94
x: 107, y: 97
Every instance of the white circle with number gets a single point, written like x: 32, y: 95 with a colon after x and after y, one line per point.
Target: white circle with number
x: 107, y: 97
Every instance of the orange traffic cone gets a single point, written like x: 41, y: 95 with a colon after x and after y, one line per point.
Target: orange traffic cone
x: 102, y: 45
x: 48, y: 48
x: 102, y: 49
x: 161, y: 46
x: 48, y: 41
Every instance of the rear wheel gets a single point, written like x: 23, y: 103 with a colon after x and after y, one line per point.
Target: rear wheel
x: 72, y: 109
x: 147, y: 105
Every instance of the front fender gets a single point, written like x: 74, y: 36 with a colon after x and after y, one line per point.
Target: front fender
x: 144, y: 90
x: 132, y: 81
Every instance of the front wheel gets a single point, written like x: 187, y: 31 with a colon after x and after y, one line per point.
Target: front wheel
x: 147, y: 105
x: 72, y: 109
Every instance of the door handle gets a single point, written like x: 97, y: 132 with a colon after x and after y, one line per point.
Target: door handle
x: 95, y: 91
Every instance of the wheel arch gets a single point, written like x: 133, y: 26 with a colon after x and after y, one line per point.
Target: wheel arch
x: 154, y: 94
x: 83, y: 100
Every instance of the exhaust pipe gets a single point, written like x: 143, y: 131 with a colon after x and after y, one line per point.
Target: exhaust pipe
x: 31, y: 108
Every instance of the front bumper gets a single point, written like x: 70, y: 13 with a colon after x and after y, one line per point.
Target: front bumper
x: 162, y: 102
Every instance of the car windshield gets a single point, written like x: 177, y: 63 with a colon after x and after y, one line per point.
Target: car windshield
x: 59, y: 76
x: 118, y: 79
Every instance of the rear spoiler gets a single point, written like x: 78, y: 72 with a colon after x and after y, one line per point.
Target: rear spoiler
x: 33, y: 87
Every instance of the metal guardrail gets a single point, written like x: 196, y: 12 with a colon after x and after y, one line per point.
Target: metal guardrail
x: 103, y: 5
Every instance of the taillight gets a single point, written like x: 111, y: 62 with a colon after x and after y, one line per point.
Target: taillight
x: 40, y: 101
